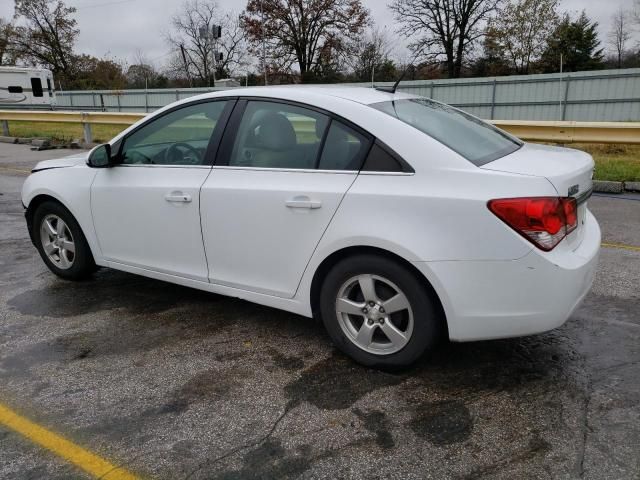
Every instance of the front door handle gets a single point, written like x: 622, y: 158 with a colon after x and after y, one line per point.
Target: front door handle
x: 178, y: 197
x: 302, y: 201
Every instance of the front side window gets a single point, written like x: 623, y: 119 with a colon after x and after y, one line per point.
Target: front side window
x: 180, y: 137
x: 36, y: 87
x: 477, y: 141
x: 276, y: 135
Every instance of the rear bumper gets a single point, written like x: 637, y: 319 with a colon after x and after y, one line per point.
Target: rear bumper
x: 533, y: 294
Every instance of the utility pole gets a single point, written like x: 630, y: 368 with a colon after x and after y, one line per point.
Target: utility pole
x: 210, y: 38
x: 186, y: 65
x: 560, y: 115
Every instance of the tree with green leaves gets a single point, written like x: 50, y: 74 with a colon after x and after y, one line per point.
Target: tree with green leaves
x: 45, y: 34
x: 521, y: 28
x: 493, y: 61
x: 577, y: 41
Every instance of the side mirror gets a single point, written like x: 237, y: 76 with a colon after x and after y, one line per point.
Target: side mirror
x: 100, y: 156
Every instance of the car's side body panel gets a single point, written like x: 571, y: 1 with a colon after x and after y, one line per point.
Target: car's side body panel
x: 138, y: 222
x: 256, y: 237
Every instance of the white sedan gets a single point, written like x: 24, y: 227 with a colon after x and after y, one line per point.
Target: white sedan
x: 393, y: 218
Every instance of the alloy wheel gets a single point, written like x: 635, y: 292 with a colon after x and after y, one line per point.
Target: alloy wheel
x: 57, y: 241
x: 374, y: 314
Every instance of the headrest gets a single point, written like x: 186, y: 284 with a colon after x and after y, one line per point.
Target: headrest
x: 274, y: 132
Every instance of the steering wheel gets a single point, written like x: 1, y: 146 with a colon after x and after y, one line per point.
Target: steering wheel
x: 171, y: 152
x: 135, y: 157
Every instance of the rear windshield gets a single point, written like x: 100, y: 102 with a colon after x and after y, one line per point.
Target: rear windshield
x: 475, y: 140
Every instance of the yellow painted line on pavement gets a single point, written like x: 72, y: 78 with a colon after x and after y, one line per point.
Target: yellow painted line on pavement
x: 15, y: 170
x: 622, y: 246
x: 69, y: 451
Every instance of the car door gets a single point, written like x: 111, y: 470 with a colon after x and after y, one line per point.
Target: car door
x: 146, y: 209
x: 281, y: 174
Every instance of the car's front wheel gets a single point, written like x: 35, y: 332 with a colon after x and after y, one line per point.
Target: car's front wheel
x: 378, y: 312
x: 61, y: 243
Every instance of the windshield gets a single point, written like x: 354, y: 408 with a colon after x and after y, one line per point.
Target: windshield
x: 475, y: 140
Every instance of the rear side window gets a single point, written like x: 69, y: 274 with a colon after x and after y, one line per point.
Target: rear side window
x: 344, y: 148
x: 381, y: 160
x: 474, y: 139
x: 15, y: 89
x: 276, y: 135
x: 36, y: 87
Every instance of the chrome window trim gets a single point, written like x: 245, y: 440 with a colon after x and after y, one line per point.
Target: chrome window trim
x: 310, y: 170
x: 157, y: 165
x: 274, y: 169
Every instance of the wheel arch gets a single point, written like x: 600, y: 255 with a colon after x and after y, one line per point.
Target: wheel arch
x: 327, y: 264
x: 34, y: 203
x: 38, y: 200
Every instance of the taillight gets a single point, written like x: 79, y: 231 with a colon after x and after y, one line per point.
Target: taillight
x: 544, y: 221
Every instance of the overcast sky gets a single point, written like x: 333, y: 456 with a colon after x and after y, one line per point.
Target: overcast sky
x: 116, y: 28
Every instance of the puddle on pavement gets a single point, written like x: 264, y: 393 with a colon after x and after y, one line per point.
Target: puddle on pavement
x: 442, y: 423
x: 107, y: 290
x: 337, y: 383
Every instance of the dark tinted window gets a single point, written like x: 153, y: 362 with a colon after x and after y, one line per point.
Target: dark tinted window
x: 477, y: 141
x: 36, y: 87
x: 381, y: 160
x: 49, y: 86
x: 277, y: 135
x: 15, y: 89
x: 344, y: 148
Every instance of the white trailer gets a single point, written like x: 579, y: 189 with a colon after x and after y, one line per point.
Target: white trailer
x: 26, y: 86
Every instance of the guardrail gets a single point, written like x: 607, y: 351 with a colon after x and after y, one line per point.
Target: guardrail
x: 537, y: 131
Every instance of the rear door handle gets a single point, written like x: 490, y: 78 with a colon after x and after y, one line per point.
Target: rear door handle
x: 302, y: 201
x: 178, y: 197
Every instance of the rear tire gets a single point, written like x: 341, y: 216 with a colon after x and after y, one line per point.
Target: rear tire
x: 61, y: 243
x: 379, y: 312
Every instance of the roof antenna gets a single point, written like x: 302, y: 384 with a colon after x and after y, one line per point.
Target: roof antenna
x: 395, y: 85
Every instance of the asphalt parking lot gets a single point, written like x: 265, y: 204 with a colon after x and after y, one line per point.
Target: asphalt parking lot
x: 168, y: 382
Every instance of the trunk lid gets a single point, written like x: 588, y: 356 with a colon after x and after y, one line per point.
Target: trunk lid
x: 569, y: 171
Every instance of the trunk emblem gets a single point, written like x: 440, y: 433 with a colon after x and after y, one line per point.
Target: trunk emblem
x: 573, y: 189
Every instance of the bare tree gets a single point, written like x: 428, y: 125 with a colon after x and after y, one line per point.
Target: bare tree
x: 521, y: 29
x: 370, y: 54
x: 443, y: 29
x: 304, y: 32
x: 187, y: 24
x: 46, y: 33
x: 140, y: 74
x: 620, y: 34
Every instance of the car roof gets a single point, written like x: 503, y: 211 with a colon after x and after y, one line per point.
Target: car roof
x: 305, y: 93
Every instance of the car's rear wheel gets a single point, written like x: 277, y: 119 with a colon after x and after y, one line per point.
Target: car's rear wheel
x: 378, y: 312
x: 61, y: 243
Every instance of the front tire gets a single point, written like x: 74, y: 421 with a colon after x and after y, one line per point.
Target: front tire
x: 378, y: 312
x: 61, y: 243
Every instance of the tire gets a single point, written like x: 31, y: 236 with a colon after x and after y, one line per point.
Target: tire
x: 67, y: 252
x: 419, y: 323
